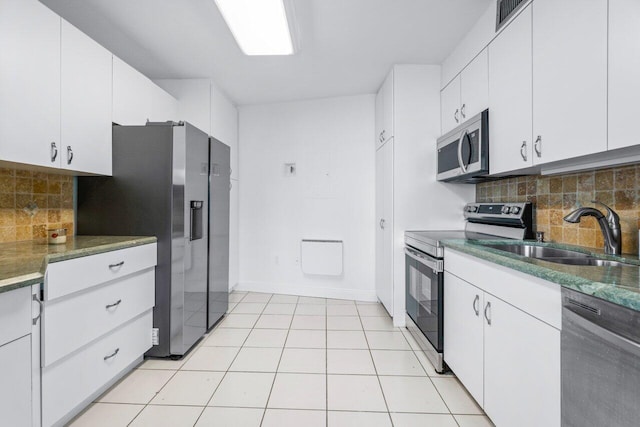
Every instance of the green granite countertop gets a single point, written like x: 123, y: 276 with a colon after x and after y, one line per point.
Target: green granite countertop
x: 619, y: 285
x: 24, y: 263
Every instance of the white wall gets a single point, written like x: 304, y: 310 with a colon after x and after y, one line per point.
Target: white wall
x: 330, y: 197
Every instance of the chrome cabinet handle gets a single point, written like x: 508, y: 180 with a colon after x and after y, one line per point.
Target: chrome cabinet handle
x: 40, y: 306
x: 538, y: 146
x: 476, y: 308
x: 69, y: 154
x: 523, y: 150
x: 382, y: 223
x: 487, y: 308
x: 115, y: 304
x: 460, y: 161
x: 119, y: 264
x: 464, y: 107
x: 112, y: 354
x: 54, y: 152
x: 455, y: 116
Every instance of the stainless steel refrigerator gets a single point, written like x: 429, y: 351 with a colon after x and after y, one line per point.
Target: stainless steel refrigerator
x: 167, y: 182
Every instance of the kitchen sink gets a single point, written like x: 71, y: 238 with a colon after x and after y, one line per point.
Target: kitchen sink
x: 539, y: 252
x: 594, y: 262
x: 559, y: 256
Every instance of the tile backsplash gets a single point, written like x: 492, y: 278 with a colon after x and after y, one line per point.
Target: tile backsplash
x: 555, y: 196
x: 32, y: 202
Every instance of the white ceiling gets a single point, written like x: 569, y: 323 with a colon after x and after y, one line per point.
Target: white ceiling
x: 346, y: 46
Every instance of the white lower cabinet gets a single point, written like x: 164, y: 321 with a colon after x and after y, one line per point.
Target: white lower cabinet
x: 15, y: 386
x: 97, y: 320
x: 521, y: 367
x: 507, y: 359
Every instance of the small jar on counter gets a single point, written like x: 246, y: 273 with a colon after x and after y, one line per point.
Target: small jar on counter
x: 57, y: 236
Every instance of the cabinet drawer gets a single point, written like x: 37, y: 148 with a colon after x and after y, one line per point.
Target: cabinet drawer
x: 69, y: 383
x: 70, y: 323
x: 65, y: 277
x: 15, y: 314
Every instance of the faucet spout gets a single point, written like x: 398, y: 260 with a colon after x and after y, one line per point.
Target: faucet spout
x: 610, y: 226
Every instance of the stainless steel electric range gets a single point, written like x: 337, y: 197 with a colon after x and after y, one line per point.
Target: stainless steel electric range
x: 425, y: 260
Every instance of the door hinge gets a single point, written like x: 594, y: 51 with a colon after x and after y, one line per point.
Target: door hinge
x: 155, y: 336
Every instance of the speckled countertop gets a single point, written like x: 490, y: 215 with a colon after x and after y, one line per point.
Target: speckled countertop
x: 24, y: 263
x: 619, y: 285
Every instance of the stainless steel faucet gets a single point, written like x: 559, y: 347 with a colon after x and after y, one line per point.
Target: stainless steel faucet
x: 609, y: 225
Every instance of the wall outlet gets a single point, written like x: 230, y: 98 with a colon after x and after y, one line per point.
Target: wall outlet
x: 155, y: 336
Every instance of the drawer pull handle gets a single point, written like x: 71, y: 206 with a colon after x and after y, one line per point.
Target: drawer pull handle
x: 111, y: 355
x: 119, y: 264
x: 115, y: 304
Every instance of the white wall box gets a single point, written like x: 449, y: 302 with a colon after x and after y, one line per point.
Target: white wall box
x: 624, y: 69
x: 467, y: 95
x: 96, y: 319
x: 569, y: 78
x: 384, y: 111
x: 137, y: 99
x: 406, y: 185
x: 16, y: 396
x: 502, y: 340
x: 29, y: 83
x: 511, y: 97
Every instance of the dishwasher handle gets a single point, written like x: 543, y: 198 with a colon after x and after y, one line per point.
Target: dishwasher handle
x: 605, y: 334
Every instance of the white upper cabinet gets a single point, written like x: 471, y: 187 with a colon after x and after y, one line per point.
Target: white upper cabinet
x: 86, y: 103
x: 474, y: 87
x: 467, y: 94
x: 569, y: 78
x: 450, y: 105
x: 624, y: 69
x: 29, y: 83
x: 384, y: 111
x: 137, y: 99
x: 510, y: 97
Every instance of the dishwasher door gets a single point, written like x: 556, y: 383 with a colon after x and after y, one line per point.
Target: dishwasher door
x: 600, y: 363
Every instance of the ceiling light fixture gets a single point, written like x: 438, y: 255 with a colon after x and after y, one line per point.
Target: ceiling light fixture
x: 260, y: 27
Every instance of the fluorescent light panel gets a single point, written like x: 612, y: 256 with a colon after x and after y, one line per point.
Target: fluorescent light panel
x: 260, y: 27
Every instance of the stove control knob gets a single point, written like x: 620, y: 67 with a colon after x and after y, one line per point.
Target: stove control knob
x: 515, y: 210
x: 505, y: 209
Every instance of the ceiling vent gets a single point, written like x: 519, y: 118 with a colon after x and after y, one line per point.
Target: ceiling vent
x: 506, y: 9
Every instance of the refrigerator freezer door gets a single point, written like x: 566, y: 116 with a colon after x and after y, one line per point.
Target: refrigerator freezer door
x: 191, y: 172
x: 220, y: 180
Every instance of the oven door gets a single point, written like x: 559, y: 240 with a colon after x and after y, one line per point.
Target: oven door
x: 424, y: 291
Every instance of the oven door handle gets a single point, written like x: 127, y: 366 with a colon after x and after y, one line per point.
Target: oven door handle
x: 435, y: 265
x: 460, y: 160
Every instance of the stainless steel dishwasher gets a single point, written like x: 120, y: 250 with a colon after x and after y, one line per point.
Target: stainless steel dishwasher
x: 600, y: 363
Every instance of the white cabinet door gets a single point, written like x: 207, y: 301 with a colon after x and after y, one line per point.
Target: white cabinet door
x: 569, y: 78
x: 463, y: 341
x: 130, y: 104
x: 86, y: 103
x: 379, y: 118
x: 15, y: 387
x: 521, y: 367
x: 164, y: 107
x: 387, y: 108
x: 510, y: 97
x: 384, y: 226
x: 624, y: 69
x: 29, y: 83
x: 474, y: 87
x: 450, y: 106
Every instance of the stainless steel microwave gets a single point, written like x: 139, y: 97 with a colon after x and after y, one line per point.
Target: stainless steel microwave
x: 463, y: 153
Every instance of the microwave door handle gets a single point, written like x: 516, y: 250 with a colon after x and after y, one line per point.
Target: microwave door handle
x: 460, y: 161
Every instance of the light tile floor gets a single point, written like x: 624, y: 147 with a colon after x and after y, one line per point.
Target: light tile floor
x: 282, y: 360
